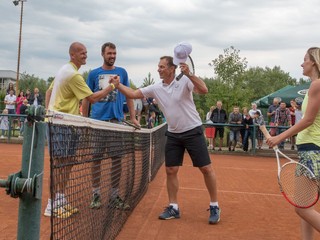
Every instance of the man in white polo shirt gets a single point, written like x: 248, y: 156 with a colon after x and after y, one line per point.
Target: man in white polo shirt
x: 184, y: 126
x: 10, y: 101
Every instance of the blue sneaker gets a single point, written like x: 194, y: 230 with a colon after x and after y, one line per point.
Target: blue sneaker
x: 214, y: 214
x: 169, y: 213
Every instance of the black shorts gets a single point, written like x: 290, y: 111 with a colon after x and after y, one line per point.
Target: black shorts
x: 192, y: 140
x: 221, y: 132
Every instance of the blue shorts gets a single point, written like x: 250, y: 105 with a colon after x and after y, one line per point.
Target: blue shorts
x: 193, y: 141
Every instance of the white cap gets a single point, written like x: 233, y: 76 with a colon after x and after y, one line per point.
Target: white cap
x: 181, y: 52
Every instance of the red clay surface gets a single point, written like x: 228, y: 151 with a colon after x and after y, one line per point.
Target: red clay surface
x: 252, y: 207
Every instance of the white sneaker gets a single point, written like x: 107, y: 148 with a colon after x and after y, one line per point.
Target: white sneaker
x: 47, y: 212
x: 2, y: 136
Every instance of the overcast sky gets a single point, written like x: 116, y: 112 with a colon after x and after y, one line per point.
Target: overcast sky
x: 267, y: 33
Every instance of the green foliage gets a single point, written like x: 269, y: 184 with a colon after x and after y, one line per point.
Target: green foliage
x: 148, y: 81
x: 2, y: 96
x: 132, y: 85
x: 30, y: 82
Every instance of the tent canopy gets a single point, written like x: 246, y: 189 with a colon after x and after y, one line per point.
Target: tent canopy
x: 286, y: 94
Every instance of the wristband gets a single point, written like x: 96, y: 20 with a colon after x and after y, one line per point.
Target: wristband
x: 112, y: 85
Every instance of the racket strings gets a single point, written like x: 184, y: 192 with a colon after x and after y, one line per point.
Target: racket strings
x: 298, y: 185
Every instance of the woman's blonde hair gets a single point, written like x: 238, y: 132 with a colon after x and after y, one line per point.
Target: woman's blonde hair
x: 314, y: 53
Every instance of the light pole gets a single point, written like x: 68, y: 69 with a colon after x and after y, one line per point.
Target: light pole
x: 16, y: 2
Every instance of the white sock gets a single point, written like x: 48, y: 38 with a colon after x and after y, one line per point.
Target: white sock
x: 49, y: 204
x: 174, y: 205
x: 60, y: 200
x: 214, y: 204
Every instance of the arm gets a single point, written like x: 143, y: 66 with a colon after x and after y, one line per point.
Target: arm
x: 85, y: 107
x: 96, y: 96
x: 312, y: 110
x: 199, y: 85
x: 48, y: 96
x: 129, y: 92
x: 132, y: 112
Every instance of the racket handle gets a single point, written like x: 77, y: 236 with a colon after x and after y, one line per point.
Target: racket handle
x: 264, y: 131
x: 179, y: 76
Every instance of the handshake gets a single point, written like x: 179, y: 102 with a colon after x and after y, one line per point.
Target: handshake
x: 114, y: 81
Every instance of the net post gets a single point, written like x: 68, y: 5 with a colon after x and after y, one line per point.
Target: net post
x: 32, y: 169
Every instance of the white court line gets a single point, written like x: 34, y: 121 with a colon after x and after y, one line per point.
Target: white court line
x: 237, y: 192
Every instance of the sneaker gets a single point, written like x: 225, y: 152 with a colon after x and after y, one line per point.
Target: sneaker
x: 58, y: 212
x: 219, y: 149
x: 70, y: 209
x: 118, y: 203
x: 214, y: 214
x: 96, y: 201
x: 2, y: 136
x: 169, y: 213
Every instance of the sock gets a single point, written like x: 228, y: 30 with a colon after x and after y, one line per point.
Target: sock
x: 214, y: 204
x: 49, y: 204
x: 174, y: 205
x: 60, y: 200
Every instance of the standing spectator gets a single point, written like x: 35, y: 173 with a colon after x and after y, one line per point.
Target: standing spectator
x: 28, y: 95
x: 219, y: 115
x: 36, y: 98
x: 271, y: 114
x: 259, y: 136
x: 184, y: 129
x: 10, y: 87
x: 282, y: 119
x: 152, y: 120
x: 20, y: 100
x: 154, y: 108
x: 298, y: 112
x: 234, y: 118
x: 292, y: 110
x: 10, y: 102
x: 210, y: 130
x: 254, y: 109
x: 138, y: 109
x: 22, y: 119
x: 246, y: 122
x: 4, y: 123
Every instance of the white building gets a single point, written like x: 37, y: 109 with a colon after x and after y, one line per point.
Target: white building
x: 7, y: 76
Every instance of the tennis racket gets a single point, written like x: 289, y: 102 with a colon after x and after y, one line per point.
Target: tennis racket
x: 190, y: 63
x: 297, y: 182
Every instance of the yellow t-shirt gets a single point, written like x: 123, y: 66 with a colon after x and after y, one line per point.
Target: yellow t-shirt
x: 70, y: 89
x: 312, y: 133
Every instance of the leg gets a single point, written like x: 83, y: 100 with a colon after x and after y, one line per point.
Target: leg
x: 172, y: 183
x: 310, y: 220
x: 210, y: 181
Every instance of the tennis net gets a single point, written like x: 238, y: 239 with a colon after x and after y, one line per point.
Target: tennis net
x: 99, y: 173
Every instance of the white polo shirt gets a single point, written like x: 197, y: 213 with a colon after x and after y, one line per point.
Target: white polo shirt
x: 176, y: 103
x: 10, y: 98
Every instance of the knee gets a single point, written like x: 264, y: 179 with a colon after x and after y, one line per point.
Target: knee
x: 206, y: 170
x: 172, y: 171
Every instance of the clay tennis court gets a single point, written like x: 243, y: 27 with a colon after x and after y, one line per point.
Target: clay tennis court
x: 252, y: 207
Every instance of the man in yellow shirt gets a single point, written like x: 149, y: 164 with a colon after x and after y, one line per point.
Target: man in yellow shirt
x: 64, y: 95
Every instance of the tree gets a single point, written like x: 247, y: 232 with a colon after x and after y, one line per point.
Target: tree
x: 30, y: 82
x: 148, y: 81
x: 229, y: 67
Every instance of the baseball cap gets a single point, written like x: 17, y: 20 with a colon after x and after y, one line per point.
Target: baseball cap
x: 181, y: 52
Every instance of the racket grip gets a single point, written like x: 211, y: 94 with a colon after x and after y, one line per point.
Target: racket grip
x: 264, y: 131
x: 179, y: 76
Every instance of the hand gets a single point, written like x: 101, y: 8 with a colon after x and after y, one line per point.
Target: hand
x: 184, y: 69
x: 135, y: 122
x: 273, y: 141
x: 115, y: 80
